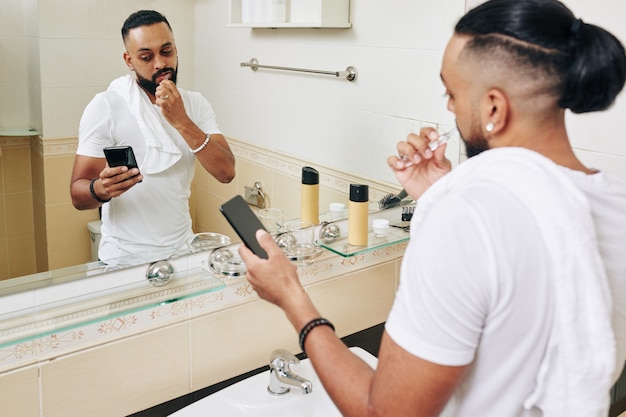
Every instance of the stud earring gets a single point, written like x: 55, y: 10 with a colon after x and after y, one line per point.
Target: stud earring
x: 489, y: 127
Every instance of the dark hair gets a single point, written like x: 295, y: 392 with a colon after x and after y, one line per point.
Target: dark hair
x: 142, y: 18
x: 588, y: 62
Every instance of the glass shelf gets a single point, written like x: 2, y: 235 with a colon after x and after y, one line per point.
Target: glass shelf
x: 50, y: 319
x: 342, y: 248
x: 18, y: 131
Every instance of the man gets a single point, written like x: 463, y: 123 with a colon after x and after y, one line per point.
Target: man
x: 513, y: 287
x: 147, y: 209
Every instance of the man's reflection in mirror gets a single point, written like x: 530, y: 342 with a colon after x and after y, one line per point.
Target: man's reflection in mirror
x: 146, y: 209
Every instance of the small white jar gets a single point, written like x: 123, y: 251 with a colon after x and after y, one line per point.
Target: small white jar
x: 380, y: 227
x: 337, y: 211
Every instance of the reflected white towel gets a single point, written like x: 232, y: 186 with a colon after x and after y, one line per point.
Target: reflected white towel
x: 162, y: 152
x: 575, y: 375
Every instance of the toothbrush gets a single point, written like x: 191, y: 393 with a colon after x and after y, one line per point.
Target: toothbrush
x: 443, y: 138
x: 391, y: 200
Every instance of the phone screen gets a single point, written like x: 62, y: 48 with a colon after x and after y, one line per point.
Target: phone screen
x: 119, y: 156
x: 244, y: 222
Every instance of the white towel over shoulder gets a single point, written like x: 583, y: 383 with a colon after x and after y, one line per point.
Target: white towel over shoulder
x: 575, y: 375
x: 162, y: 152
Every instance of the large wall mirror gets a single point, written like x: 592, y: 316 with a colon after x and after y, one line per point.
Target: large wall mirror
x: 58, y: 54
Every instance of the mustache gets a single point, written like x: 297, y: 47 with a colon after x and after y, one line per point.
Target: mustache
x: 170, y: 71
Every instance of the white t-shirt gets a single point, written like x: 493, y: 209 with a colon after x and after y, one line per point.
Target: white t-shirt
x: 475, y: 288
x: 154, y: 214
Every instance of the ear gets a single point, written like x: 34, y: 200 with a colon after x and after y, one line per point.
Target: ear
x: 127, y: 60
x: 494, y: 112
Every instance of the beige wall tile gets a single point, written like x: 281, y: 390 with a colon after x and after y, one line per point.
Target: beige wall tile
x: 357, y: 301
x: 3, y: 219
x: 4, y: 259
x: 1, y: 171
x: 286, y: 194
x: 38, y: 179
x: 20, y: 393
x: 58, y: 170
x: 68, y: 237
x: 221, y: 342
x: 17, y: 175
x: 19, y: 214
x: 208, y: 217
x: 21, y: 255
x: 120, y: 378
x: 41, y: 235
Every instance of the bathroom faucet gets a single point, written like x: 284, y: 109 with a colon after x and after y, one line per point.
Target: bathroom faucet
x: 281, y: 375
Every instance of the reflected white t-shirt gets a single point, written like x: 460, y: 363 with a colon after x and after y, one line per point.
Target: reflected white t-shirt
x: 154, y: 214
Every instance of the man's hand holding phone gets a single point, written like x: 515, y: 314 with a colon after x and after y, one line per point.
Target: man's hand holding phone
x: 121, y: 172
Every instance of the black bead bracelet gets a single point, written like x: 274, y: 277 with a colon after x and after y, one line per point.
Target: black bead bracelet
x: 312, y: 325
x: 93, y: 193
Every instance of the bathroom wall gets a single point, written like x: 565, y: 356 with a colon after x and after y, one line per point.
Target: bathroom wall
x: 17, y: 232
x: 62, y: 52
x: 397, y: 49
x: 14, y: 47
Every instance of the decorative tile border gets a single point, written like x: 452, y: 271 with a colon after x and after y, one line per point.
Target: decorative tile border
x: 282, y: 163
x: 54, y: 147
x: 10, y: 141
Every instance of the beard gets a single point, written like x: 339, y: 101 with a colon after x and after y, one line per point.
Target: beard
x: 476, y: 142
x: 151, y: 85
x: 475, y: 147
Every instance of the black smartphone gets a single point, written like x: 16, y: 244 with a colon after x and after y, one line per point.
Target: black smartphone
x: 120, y: 156
x: 244, y: 222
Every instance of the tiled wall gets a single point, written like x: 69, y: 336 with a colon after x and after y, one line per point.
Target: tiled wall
x: 17, y: 232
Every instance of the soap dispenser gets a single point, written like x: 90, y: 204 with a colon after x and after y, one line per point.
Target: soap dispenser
x: 310, y: 196
x: 357, y: 214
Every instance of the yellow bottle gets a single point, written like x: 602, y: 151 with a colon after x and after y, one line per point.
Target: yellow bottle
x: 310, y: 196
x: 357, y: 214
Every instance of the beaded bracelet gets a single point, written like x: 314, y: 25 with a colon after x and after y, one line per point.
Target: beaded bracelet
x: 312, y: 325
x: 94, y: 195
x: 201, y: 147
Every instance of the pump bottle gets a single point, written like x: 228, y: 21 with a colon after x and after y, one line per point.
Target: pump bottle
x: 310, y: 196
x: 357, y: 214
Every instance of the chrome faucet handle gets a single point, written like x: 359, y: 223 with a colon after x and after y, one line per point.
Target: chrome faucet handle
x: 281, y: 375
x: 285, y: 356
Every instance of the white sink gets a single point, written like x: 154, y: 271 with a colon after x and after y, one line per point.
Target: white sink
x: 250, y: 397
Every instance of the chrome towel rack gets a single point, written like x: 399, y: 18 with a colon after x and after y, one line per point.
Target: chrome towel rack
x: 350, y: 73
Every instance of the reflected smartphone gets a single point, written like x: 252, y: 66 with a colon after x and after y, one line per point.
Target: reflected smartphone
x: 244, y: 222
x: 120, y: 156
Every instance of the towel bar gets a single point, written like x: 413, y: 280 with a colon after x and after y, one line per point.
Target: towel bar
x: 350, y: 73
